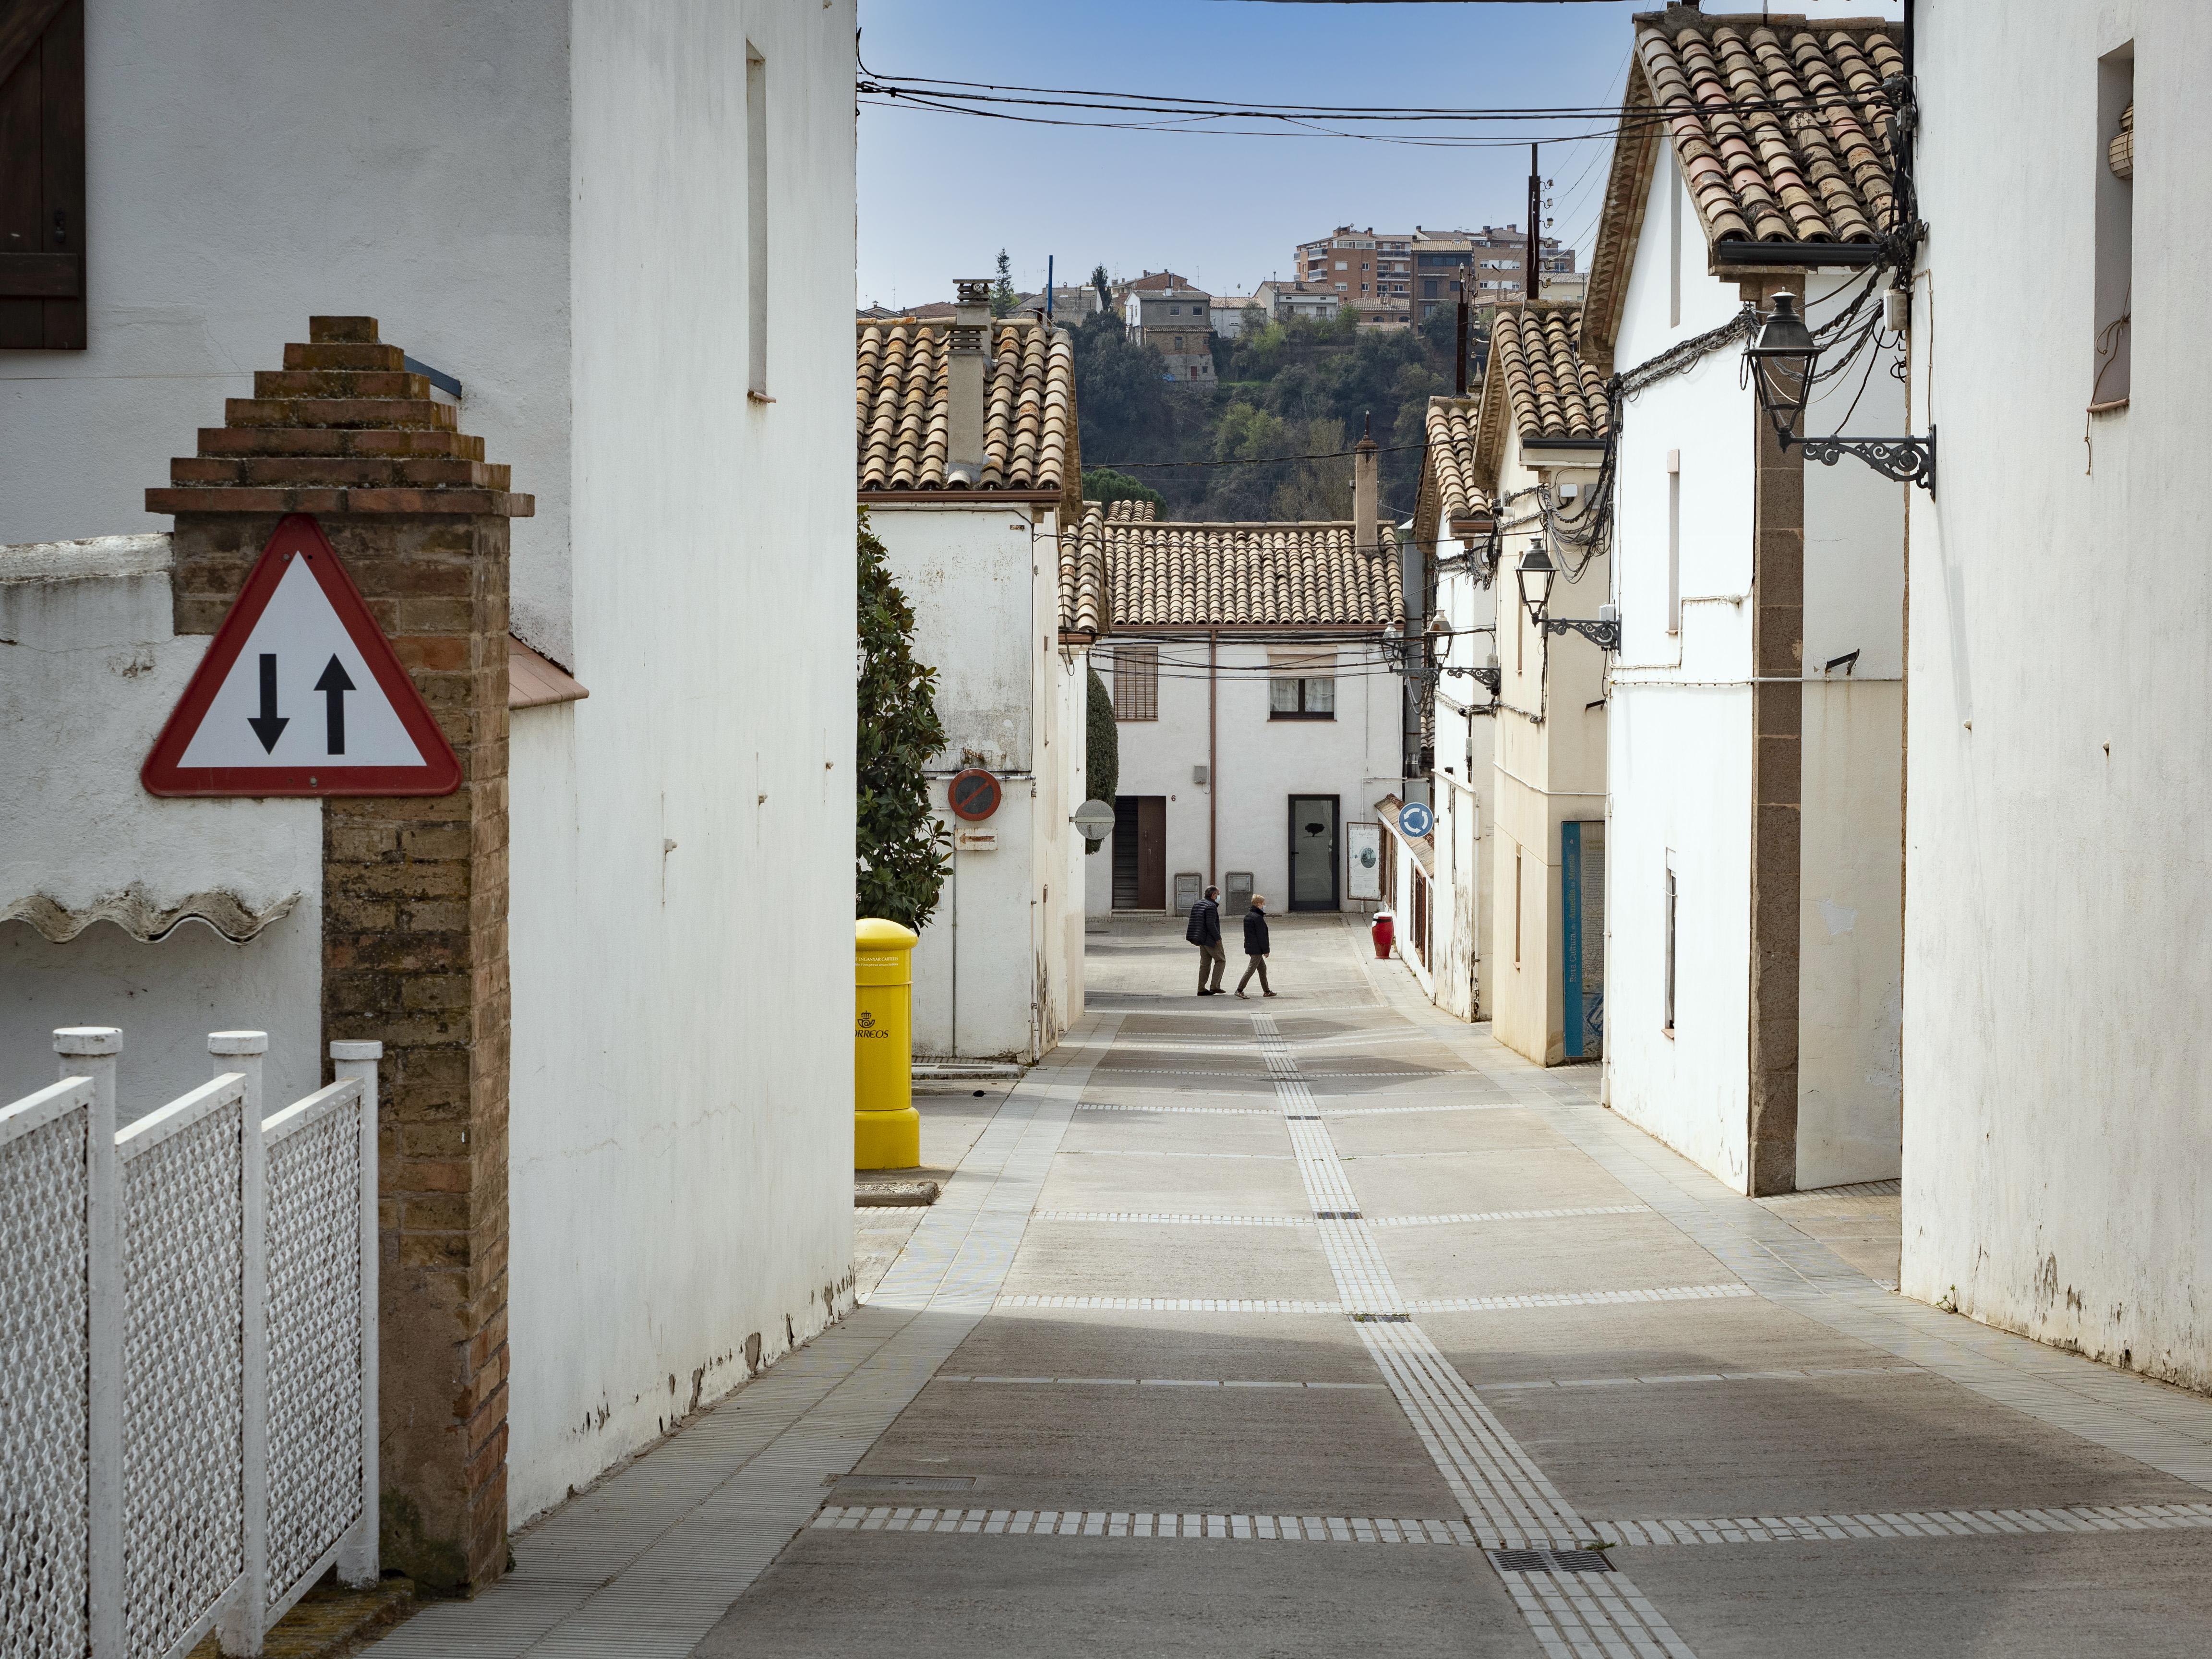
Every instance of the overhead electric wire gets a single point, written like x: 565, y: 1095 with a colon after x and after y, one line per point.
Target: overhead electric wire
x: 1255, y: 460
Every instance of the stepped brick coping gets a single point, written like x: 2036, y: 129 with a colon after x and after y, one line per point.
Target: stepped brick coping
x: 341, y: 428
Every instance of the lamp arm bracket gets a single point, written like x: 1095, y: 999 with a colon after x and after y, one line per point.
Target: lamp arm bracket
x: 1906, y: 460
x: 1605, y: 636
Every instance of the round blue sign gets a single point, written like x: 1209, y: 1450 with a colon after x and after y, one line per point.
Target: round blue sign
x: 1416, y: 820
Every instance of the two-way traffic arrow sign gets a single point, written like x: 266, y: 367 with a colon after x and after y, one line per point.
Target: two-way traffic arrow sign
x: 300, y: 630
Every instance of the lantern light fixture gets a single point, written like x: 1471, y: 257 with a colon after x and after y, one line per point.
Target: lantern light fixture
x: 1536, y: 574
x: 1781, y: 360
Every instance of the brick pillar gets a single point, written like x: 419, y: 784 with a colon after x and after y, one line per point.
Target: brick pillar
x: 1778, y: 701
x: 414, y: 888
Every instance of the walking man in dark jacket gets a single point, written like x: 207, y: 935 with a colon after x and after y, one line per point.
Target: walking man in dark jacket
x: 1204, y: 931
x: 1256, y: 946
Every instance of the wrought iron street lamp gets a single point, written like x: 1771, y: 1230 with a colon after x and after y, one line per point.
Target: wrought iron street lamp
x: 1536, y: 573
x: 1781, y: 360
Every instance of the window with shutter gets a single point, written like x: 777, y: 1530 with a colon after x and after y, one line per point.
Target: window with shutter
x: 1136, y: 682
x: 42, y: 239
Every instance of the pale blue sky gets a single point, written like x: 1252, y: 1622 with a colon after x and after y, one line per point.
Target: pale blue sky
x: 941, y: 194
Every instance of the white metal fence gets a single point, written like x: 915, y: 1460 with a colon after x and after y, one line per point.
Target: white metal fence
x: 187, y: 1354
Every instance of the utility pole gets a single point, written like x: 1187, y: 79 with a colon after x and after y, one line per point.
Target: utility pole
x: 1459, y: 367
x: 1535, y: 212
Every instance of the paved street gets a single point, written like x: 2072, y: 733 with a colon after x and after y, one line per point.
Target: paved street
x: 1303, y: 1326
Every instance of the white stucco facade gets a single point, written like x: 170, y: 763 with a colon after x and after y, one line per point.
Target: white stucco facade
x: 1465, y: 784
x: 136, y: 888
x: 1680, y: 733
x: 548, y: 199
x: 999, y: 973
x: 2057, y: 1174
x: 1239, y: 820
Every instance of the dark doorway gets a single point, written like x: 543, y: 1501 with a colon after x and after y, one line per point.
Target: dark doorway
x: 1140, y: 851
x: 1313, y: 874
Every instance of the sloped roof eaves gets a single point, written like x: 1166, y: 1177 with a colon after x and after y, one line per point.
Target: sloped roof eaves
x: 902, y: 407
x: 1846, y: 185
x: 1555, y: 394
x: 1083, y: 573
x: 1453, y: 426
x: 1285, y: 575
x: 1813, y: 166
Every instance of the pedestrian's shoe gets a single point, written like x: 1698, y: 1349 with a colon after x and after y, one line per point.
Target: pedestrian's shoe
x: 1275, y: 994
x: 1203, y: 992
x: 1246, y: 997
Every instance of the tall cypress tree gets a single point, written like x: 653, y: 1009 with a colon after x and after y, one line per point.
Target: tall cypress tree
x: 901, y: 848
x: 1102, y: 757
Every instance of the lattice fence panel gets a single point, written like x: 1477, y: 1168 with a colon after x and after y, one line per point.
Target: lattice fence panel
x: 183, y: 1359
x: 44, y: 1410
x: 314, y: 1342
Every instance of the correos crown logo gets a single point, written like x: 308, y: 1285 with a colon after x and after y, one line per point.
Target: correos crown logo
x: 866, y: 1020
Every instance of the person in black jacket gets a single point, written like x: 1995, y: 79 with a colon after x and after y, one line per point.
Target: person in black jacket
x: 1204, y: 931
x: 1255, y: 946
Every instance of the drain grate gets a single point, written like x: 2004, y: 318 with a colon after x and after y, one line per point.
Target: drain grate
x: 1550, y: 1560
x: 1337, y: 1215
x: 1381, y: 1319
x: 1303, y: 1117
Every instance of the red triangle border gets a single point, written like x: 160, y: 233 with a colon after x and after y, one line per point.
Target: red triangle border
x: 297, y: 534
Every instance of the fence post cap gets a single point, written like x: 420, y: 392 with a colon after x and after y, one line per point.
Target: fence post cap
x: 356, y: 1051
x: 89, y: 1040
x: 238, y: 1042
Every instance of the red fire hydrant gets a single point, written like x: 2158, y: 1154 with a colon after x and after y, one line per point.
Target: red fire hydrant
x: 1384, y: 930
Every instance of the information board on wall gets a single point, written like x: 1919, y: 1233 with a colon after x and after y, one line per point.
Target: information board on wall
x: 1365, y: 881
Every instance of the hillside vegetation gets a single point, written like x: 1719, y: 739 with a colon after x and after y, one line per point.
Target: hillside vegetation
x: 1296, y: 388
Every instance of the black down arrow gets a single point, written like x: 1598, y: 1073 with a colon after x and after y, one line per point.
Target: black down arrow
x: 269, y: 725
x: 334, y: 685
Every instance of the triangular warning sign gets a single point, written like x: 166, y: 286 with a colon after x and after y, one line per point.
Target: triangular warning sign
x: 301, y: 694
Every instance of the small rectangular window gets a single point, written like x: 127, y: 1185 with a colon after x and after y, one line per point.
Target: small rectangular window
x: 1674, y: 541
x: 1668, y: 1024
x: 1302, y: 682
x: 1671, y: 175
x: 2115, y: 161
x: 1136, y: 682
x: 1516, y: 907
x: 756, y: 222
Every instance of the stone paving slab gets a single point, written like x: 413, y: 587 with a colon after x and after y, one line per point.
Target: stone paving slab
x: 833, y: 1596
x: 1701, y: 1339
x: 1563, y: 1253
x: 1306, y: 1347
x: 1440, y: 1183
x: 1093, y: 1259
x: 2148, y: 1596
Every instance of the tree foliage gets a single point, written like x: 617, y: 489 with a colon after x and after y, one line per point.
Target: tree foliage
x: 1002, y: 291
x: 1102, y: 758
x: 1104, y: 285
x: 1299, y: 387
x: 1104, y: 483
x: 901, y: 848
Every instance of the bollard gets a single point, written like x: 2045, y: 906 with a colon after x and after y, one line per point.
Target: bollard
x: 1384, y: 931
x: 886, y: 1129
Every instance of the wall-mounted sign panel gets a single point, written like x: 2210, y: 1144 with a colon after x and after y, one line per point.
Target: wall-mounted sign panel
x: 301, y: 693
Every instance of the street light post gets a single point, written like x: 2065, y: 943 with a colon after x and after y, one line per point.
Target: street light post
x: 1536, y: 573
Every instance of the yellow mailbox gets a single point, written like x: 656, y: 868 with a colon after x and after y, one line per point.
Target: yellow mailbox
x: 886, y: 1129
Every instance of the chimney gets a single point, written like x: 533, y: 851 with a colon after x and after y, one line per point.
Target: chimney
x: 1366, y: 488
x: 968, y: 358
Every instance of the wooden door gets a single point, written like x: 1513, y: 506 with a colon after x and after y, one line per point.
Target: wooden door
x: 1140, y: 851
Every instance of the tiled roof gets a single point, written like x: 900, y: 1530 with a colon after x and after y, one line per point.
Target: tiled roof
x: 1132, y: 511
x: 1157, y: 282
x: 1814, y: 167
x: 1083, y: 572
x: 1554, y: 394
x: 1452, y: 430
x: 1154, y: 574
x: 902, y: 404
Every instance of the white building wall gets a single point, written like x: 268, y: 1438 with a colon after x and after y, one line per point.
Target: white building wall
x: 681, y: 914
x: 1260, y: 762
x: 998, y: 974
x: 1680, y: 733
x: 89, y: 672
x: 2058, y: 1180
x: 1465, y: 791
x: 251, y: 164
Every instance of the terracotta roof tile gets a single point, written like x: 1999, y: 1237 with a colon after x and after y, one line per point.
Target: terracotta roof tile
x: 1452, y: 431
x: 1156, y: 575
x: 1083, y: 572
x: 901, y: 405
x: 1815, y: 166
x: 1128, y: 512
x: 1553, y: 393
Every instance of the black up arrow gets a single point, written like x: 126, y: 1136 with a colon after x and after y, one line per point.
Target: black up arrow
x: 269, y: 725
x: 334, y: 685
